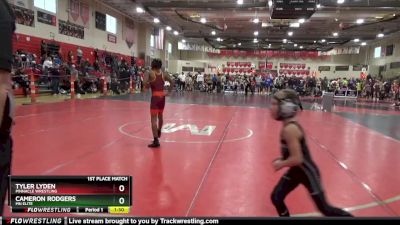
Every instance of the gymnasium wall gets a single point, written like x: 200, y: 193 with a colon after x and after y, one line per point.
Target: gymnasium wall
x: 94, y: 38
x: 331, y: 61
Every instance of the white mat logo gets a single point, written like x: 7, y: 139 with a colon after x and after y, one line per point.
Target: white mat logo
x: 194, y: 130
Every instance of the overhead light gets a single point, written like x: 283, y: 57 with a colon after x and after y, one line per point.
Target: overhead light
x: 336, y: 34
x: 301, y: 47
x: 323, y: 40
x: 315, y: 42
x: 240, y: 2
x: 381, y: 35
x: 169, y: 28
x: 270, y: 3
x: 318, y: 6
x: 221, y: 39
x: 183, y: 41
x: 255, y: 33
x: 336, y: 19
x: 234, y: 46
x: 360, y: 21
x: 203, y: 20
x: 139, y: 10
x: 156, y: 20
x: 394, y: 14
x: 378, y: 17
x: 269, y: 45
x: 356, y: 40
x: 256, y: 20
x: 176, y: 33
x: 302, y: 20
x: 364, y: 43
x: 290, y: 33
x: 340, y: 1
x: 255, y: 40
x: 295, y: 45
x: 213, y: 32
x: 294, y: 25
x: 284, y: 40
x: 240, y: 44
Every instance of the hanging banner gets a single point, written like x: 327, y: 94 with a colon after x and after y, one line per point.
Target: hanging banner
x: 342, y: 51
x: 112, y: 38
x: 360, y: 67
x: 24, y: 16
x: 21, y: 3
x: 129, y: 32
x: 263, y: 54
x: 46, y: 18
x: 263, y: 65
x: 85, y: 14
x: 70, y: 29
x: 74, y: 9
x: 196, y: 47
x: 292, y: 65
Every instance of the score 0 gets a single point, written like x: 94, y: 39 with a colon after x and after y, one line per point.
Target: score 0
x: 121, y: 188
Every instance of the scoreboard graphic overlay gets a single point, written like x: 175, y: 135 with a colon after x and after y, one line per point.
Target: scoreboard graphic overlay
x: 70, y: 194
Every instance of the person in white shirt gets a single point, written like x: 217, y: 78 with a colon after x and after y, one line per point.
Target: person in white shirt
x: 47, y: 64
x: 200, y: 80
x: 223, y: 82
x: 182, y: 79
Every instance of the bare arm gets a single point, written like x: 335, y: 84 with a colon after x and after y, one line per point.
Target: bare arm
x: 292, y: 135
x: 4, y: 87
x: 146, y: 81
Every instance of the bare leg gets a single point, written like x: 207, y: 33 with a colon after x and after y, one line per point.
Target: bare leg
x: 160, y: 124
x: 154, y: 129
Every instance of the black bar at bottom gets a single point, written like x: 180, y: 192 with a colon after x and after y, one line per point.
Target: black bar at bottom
x: 196, y: 221
x: 33, y: 220
x: 44, y: 209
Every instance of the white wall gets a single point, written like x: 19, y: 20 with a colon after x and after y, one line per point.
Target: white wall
x: 177, y: 65
x: 381, y: 61
x: 144, y: 48
x: 94, y: 38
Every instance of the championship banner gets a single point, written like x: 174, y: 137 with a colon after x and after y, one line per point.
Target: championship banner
x: 74, y: 9
x: 70, y: 29
x: 261, y: 65
x: 292, y: 66
x: 100, y: 21
x: 24, y: 16
x: 266, y: 54
x: 46, y: 18
x: 342, y: 51
x: 21, y: 3
x: 196, y: 47
x: 112, y: 38
x: 239, y: 64
x: 85, y: 14
x: 294, y: 72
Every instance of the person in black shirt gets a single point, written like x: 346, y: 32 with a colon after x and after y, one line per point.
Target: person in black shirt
x: 7, y: 27
x: 296, y: 156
